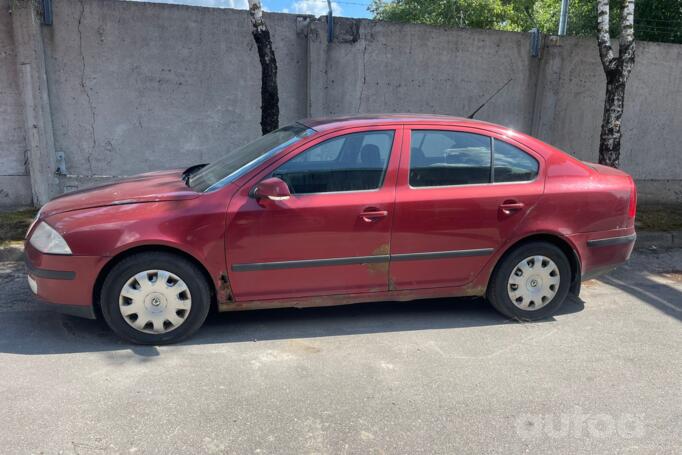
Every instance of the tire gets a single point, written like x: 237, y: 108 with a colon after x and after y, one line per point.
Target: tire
x: 160, y: 287
x: 531, y: 287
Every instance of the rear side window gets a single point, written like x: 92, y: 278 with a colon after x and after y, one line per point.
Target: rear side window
x: 512, y: 164
x: 444, y: 158
x: 352, y: 162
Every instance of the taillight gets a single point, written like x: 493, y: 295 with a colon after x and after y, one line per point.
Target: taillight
x: 632, y: 211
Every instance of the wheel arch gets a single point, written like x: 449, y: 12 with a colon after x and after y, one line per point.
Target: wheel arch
x: 114, y: 260
x: 557, y: 240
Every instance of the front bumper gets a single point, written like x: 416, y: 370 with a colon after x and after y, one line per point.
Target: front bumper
x: 65, y: 283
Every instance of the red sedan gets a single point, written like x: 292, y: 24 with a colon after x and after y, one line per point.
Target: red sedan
x: 336, y: 211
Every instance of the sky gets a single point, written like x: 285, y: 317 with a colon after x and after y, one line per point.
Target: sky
x: 346, y: 8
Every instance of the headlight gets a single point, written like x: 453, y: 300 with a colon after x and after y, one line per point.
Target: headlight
x: 35, y: 220
x: 46, y: 240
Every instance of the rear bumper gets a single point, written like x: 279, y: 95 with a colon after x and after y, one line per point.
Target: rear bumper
x: 601, y: 252
x: 64, y: 283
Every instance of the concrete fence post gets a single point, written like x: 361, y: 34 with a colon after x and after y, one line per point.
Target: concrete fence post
x: 35, y: 99
x: 317, y: 52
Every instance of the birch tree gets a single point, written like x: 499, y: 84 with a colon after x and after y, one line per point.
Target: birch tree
x: 617, y: 70
x: 268, y: 91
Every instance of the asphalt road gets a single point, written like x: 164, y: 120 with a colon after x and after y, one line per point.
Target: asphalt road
x: 438, y: 376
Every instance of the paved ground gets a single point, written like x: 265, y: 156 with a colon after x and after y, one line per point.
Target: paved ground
x: 425, y: 377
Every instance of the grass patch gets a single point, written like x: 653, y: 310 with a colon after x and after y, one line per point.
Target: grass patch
x: 13, y: 225
x: 659, y: 217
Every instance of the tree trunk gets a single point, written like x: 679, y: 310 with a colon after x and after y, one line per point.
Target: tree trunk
x: 617, y: 70
x: 609, y: 144
x: 268, y: 91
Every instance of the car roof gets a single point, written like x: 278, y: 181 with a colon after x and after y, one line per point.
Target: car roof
x: 327, y: 123
x: 339, y: 122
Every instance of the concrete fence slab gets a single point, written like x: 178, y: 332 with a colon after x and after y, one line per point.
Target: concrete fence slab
x: 122, y: 87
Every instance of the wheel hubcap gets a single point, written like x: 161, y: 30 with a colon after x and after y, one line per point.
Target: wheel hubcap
x: 155, y: 301
x: 533, y: 283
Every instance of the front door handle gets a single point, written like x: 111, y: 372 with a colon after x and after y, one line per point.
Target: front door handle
x: 372, y: 215
x: 511, y: 206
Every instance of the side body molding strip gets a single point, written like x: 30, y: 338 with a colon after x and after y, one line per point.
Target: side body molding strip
x: 612, y: 241
x: 441, y: 254
x: 359, y: 260
x: 309, y: 263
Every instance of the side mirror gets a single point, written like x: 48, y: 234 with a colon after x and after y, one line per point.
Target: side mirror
x: 273, y: 188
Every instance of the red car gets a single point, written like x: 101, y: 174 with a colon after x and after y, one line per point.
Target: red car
x: 336, y: 211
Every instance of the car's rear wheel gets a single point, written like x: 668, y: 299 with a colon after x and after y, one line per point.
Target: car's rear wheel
x: 155, y: 298
x: 531, y: 282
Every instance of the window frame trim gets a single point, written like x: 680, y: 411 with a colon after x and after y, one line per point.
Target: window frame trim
x: 246, y: 182
x: 492, y: 154
x: 407, y: 145
x: 492, y: 168
x: 384, y: 128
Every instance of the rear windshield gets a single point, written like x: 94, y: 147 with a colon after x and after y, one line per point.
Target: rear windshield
x: 238, y: 162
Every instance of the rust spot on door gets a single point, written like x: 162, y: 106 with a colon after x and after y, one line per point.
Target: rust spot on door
x: 379, y: 267
x: 382, y: 250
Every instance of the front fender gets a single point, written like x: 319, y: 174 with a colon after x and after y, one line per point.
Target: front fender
x: 195, y: 227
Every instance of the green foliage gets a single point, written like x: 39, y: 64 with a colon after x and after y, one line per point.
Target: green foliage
x: 655, y: 20
x: 658, y: 20
x: 449, y: 13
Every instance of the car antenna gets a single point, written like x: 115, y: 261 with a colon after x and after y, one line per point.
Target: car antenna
x: 491, y: 97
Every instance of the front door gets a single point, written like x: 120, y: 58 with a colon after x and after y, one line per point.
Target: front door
x: 332, y: 235
x: 459, y: 196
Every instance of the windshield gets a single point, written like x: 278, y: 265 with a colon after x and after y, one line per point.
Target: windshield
x: 240, y: 161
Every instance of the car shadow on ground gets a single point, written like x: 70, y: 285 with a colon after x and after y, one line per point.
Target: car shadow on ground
x: 665, y: 298
x: 44, y: 332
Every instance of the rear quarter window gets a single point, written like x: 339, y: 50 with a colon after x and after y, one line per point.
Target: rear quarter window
x: 512, y: 164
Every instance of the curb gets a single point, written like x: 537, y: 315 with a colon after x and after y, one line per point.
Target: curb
x: 14, y: 251
x: 658, y: 239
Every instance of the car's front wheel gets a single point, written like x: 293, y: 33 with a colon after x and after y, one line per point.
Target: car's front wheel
x: 531, y: 282
x: 155, y: 298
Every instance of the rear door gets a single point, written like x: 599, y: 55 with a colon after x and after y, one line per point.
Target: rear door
x: 332, y: 236
x: 461, y: 192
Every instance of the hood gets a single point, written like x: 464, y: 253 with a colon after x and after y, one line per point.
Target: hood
x: 150, y: 187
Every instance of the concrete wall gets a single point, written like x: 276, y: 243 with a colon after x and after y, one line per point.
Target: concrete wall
x: 391, y: 67
x: 559, y: 98
x: 136, y: 87
x: 572, y: 92
x: 15, y: 185
x: 132, y: 87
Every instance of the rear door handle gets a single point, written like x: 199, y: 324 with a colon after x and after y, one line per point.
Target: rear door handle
x: 511, y: 206
x: 372, y: 215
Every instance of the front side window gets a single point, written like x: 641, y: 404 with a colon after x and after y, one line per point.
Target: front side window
x: 352, y: 162
x: 444, y: 158
x: 512, y: 164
